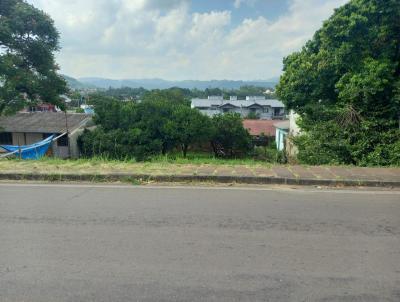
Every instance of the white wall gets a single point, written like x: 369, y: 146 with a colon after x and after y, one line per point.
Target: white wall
x: 244, y: 112
x: 294, y: 128
x: 280, y: 137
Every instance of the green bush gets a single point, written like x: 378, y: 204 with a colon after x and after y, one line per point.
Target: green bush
x: 331, y: 144
x: 253, y: 116
x: 230, y: 138
x: 269, y: 154
x: 118, y: 144
x: 384, y: 155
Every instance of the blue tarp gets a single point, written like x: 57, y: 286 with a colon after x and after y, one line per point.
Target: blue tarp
x: 34, y: 151
x: 89, y: 110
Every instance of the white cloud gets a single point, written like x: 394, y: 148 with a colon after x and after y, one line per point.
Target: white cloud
x: 239, y: 3
x: 163, y: 38
x: 209, y: 25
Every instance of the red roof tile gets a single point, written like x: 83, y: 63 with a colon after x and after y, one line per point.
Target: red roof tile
x: 257, y: 127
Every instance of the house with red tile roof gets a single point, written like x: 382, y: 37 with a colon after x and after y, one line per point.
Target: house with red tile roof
x: 262, y: 131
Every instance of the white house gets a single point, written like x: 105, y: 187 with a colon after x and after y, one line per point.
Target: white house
x: 266, y: 109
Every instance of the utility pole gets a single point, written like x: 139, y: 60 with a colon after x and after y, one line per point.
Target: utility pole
x: 66, y: 128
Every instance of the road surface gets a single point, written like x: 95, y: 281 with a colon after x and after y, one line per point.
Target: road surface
x: 108, y: 243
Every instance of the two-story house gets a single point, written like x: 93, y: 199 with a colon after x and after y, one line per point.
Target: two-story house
x: 265, y: 109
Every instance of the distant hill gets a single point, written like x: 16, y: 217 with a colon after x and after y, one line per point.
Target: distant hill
x: 163, y: 84
x: 274, y: 80
x: 75, y: 84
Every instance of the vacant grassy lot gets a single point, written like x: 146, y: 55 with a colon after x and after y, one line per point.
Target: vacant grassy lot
x: 159, y: 165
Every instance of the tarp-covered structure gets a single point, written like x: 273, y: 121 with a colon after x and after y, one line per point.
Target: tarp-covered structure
x: 29, y: 128
x: 34, y: 151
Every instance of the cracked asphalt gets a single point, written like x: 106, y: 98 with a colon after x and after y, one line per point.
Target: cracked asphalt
x: 125, y: 243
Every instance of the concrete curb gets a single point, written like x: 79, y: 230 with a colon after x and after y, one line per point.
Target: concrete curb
x: 132, y: 178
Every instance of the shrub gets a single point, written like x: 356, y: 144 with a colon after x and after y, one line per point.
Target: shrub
x: 230, y: 138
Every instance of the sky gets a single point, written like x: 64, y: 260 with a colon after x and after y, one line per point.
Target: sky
x: 182, y: 39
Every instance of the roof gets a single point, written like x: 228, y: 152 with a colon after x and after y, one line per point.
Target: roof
x: 42, y: 122
x: 206, y: 102
x: 239, y: 103
x: 285, y: 125
x: 257, y: 127
x: 229, y: 105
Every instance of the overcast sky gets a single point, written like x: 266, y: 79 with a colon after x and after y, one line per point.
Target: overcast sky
x: 182, y: 39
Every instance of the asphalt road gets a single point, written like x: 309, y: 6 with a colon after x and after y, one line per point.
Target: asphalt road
x: 77, y: 243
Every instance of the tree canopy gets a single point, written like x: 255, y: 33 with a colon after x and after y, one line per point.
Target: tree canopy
x: 188, y: 126
x: 158, y: 126
x: 345, y: 85
x: 230, y: 137
x: 28, y: 73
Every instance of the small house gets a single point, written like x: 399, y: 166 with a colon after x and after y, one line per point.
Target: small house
x: 262, y: 131
x: 25, y: 128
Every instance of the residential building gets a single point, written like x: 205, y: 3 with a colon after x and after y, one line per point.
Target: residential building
x: 265, y: 109
x: 262, y: 131
x: 42, y: 107
x: 27, y: 128
x: 285, y: 132
x: 282, y: 131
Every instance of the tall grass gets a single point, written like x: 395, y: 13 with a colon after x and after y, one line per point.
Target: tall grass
x: 192, y: 158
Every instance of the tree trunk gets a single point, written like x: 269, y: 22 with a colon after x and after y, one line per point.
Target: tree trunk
x: 214, y: 149
x: 184, y: 150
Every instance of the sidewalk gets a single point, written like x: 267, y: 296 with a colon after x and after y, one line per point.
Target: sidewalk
x: 257, y: 174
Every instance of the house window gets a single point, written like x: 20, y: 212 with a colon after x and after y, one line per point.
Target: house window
x: 46, y: 135
x: 62, y: 141
x: 5, y: 138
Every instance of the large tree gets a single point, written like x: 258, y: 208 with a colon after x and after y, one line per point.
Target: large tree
x: 188, y: 126
x: 28, y: 73
x: 230, y: 138
x: 345, y: 85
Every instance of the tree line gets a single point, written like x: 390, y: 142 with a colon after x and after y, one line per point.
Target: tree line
x: 162, y: 122
x: 128, y: 93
